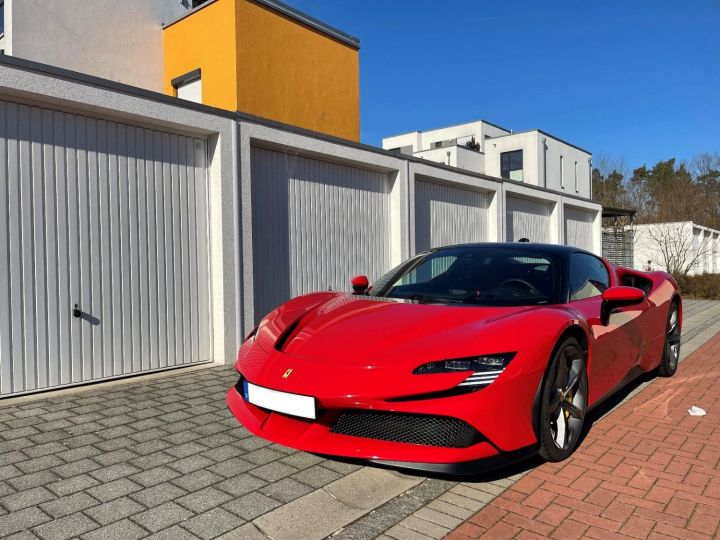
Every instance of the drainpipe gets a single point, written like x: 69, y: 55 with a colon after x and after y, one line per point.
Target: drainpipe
x: 544, y: 141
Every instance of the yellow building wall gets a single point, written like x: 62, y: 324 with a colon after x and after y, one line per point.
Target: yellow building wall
x: 205, y: 40
x: 256, y: 60
x: 294, y: 74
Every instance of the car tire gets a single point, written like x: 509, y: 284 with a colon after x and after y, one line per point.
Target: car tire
x: 671, y: 347
x: 564, y: 401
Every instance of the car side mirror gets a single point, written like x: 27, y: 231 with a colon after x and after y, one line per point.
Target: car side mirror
x: 616, y: 297
x: 360, y: 284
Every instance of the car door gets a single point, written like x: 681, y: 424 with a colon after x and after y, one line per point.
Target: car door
x: 616, y: 346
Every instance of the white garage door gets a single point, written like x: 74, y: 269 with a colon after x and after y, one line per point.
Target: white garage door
x: 527, y: 219
x: 315, y: 225
x: 449, y: 215
x: 579, y: 228
x: 111, y: 218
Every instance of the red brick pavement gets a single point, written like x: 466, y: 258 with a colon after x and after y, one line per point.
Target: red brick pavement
x: 646, y: 470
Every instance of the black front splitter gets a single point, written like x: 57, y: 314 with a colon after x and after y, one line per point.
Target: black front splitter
x: 465, y: 468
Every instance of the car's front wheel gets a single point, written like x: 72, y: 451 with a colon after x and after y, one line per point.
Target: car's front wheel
x: 564, y: 401
x: 671, y: 350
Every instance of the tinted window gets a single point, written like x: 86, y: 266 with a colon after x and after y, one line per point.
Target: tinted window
x: 588, y: 276
x: 511, y: 165
x: 476, y: 276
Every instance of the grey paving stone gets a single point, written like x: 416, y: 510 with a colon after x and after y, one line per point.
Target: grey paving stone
x: 286, y: 490
x: 23, y: 499
x: 223, y: 453
x: 191, y: 463
x: 51, y: 436
x: 213, y: 523
x: 232, y: 467
x: 39, y: 450
x: 125, y: 530
x: 302, y: 460
x: 66, y: 527
x: 116, y: 510
x: 176, y: 532
x: 78, y: 453
x: 186, y: 449
x: 158, y: 494
x: 11, y: 458
x: 22, y: 535
x: 114, y: 490
x: 203, y: 500
x: 117, y: 456
x: 162, y: 516
x: 52, y: 426
x: 113, y: 472
x: 177, y: 427
x: 81, y: 440
x: 263, y: 456
x: 27, y: 431
x: 21, y: 422
x: 251, y: 505
x: 153, y: 460
x: 76, y: 468
x: 115, y: 432
x: 111, y: 445
x: 9, y: 471
x: 211, y: 429
x: 197, y: 480
x: 70, y: 504
x: 250, y: 444
x: 5, y: 489
x: 341, y: 467
x: 182, y: 437
x: 273, y: 471
x: 148, y: 447
x: 154, y: 476
x: 72, y: 485
x: 39, y: 464
x: 11, y: 446
x: 148, y: 435
x: 28, y: 481
x: 316, y: 476
x: 241, y: 484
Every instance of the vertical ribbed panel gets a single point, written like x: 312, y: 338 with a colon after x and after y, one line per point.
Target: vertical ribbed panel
x: 113, y: 218
x: 449, y: 215
x: 526, y: 219
x: 579, y: 228
x: 315, y: 225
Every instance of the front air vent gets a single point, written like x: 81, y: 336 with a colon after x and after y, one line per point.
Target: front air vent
x: 285, y: 336
x: 428, y: 430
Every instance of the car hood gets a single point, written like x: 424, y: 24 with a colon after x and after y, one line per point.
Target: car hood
x: 366, y: 331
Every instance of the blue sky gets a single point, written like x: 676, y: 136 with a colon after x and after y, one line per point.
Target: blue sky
x: 632, y: 78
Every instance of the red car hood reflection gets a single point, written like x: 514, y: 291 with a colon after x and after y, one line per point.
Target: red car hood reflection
x: 351, y: 330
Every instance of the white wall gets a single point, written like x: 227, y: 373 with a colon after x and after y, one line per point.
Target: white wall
x: 99, y: 37
x: 541, y: 162
x: 690, y: 242
x: 422, y: 140
x: 455, y: 156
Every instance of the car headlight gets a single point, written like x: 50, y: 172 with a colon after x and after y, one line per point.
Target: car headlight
x: 485, y: 369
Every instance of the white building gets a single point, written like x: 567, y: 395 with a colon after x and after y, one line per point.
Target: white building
x: 104, y: 38
x: 532, y: 157
x: 682, y: 247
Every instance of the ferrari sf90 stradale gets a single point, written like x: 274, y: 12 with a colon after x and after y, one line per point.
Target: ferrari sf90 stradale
x: 459, y: 359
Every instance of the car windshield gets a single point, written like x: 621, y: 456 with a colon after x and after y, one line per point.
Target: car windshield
x: 478, y: 276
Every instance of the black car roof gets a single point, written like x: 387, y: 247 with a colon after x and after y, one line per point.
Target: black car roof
x: 552, y: 249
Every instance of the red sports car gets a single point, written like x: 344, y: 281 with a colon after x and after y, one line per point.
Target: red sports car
x: 459, y: 359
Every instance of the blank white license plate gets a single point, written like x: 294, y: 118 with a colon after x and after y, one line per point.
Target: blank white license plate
x: 284, y: 402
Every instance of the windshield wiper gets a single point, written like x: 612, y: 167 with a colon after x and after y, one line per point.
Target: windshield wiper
x: 434, y: 299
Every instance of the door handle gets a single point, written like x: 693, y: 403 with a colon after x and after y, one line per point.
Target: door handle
x: 76, y: 312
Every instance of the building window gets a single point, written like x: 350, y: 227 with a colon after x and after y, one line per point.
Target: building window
x: 2, y: 17
x: 577, y: 184
x: 189, y: 86
x: 511, y: 165
x: 562, y: 173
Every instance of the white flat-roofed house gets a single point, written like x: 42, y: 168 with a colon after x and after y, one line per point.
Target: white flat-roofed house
x: 680, y: 247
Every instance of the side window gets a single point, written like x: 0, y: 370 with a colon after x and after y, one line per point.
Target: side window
x: 588, y: 277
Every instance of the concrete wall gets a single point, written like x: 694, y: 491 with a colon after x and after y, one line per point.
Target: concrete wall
x: 542, y: 162
x: 455, y: 156
x: 99, y: 37
x: 423, y: 140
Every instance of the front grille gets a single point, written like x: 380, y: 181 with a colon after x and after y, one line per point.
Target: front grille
x: 407, y: 428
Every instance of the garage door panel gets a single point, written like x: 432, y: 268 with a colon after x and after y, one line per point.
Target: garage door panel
x: 315, y: 224
x: 579, y: 228
x: 525, y: 218
x: 114, y: 218
x: 449, y: 215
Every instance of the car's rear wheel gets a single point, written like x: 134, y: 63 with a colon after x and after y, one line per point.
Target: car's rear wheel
x: 564, y: 401
x: 671, y: 351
